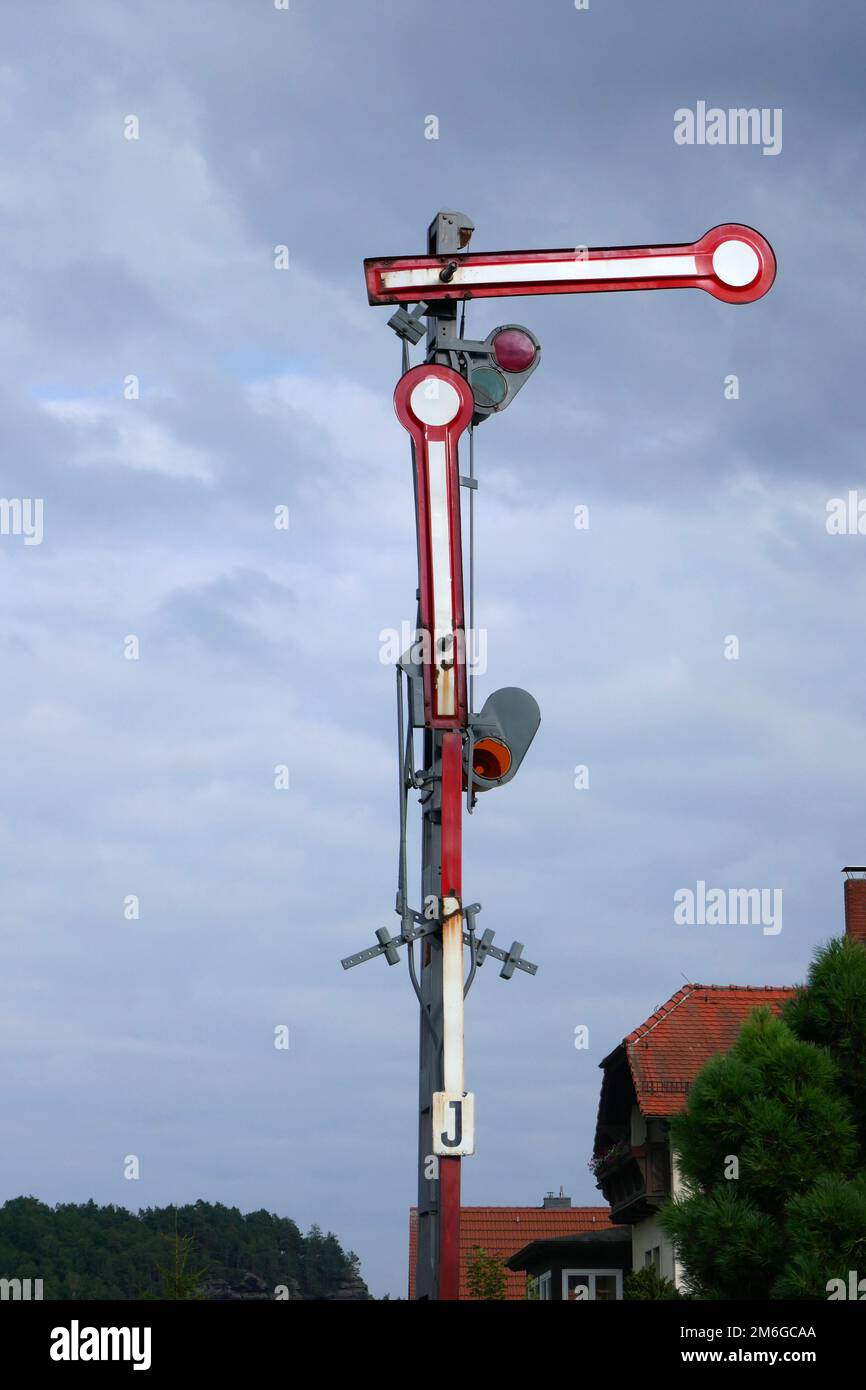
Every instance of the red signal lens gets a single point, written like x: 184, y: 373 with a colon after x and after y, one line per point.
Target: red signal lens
x: 514, y: 350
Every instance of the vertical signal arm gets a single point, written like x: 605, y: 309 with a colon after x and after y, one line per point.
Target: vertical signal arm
x: 435, y: 405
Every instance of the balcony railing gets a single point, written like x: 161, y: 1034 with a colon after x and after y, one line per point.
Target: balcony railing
x: 637, y: 1182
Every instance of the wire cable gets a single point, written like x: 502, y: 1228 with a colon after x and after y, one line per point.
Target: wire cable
x: 474, y: 965
x: 402, y: 867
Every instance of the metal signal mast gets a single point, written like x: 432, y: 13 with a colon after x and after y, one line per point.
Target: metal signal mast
x: 459, y: 385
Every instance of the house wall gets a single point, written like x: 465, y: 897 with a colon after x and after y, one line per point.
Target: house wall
x: 647, y: 1234
x: 676, y: 1189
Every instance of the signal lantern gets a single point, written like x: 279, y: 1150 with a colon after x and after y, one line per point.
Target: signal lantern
x: 502, y: 732
x: 498, y: 367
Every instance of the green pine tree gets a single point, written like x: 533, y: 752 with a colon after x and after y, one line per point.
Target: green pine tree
x: 180, y: 1281
x: 830, y: 1010
x: 771, y: 1147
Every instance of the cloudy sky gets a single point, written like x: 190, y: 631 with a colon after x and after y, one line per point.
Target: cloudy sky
x: 258, y: 388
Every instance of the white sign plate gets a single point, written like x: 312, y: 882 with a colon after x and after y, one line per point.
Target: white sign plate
x: 453, y: 1124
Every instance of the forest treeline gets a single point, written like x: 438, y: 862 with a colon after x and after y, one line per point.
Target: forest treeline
x: 83, y: 1250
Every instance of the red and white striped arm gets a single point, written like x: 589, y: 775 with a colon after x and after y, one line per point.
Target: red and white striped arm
x: 435, y: 405
x: 732, y: 262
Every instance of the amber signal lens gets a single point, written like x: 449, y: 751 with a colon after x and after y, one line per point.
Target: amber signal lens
x: 490, y: 759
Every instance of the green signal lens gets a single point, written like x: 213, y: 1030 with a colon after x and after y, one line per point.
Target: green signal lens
x: 489, y: 387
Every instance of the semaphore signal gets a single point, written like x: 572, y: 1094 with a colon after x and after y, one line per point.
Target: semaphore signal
x: 462, y: 383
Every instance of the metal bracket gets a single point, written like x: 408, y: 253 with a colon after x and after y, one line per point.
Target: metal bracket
x: 511, y: 960
x: 416, y: 926
x: 389, y: 945
x: 514, y: 962
x: 470, y: 913
x: 409, y: 326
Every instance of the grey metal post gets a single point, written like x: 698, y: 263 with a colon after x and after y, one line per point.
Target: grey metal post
x: 449, y: 231
x: 438, y: 1201
x: 430, y: 1043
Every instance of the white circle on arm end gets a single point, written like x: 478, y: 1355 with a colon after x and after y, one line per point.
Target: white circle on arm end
x: 434, y: 401
x: 736, y: 263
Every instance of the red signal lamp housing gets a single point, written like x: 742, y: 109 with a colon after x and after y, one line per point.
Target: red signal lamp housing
x: 500, y: 366
x: 502, y: 732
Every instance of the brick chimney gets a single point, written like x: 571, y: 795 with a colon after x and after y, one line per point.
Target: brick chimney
x: 855, y: 904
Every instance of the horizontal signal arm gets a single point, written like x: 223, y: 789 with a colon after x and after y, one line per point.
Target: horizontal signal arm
x: 732, y: 262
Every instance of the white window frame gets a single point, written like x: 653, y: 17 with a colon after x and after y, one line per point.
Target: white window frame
x: 545, y: 1280
x: 590, y: 1274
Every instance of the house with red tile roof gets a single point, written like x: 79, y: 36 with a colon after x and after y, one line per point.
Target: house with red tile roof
x: 502, y: 1231
x: 646, y: 1082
